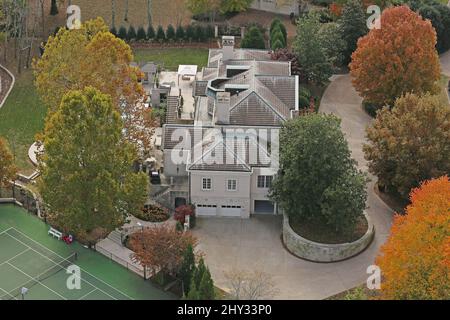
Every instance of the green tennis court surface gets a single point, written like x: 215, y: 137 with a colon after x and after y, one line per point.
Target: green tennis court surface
x: 30, y: 258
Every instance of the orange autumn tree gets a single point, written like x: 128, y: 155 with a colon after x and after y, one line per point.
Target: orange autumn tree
x: 415, y: 260
x: 398, y: 58
x: 92, y: 56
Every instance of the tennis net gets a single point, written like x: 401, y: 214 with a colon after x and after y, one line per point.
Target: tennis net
x: 54, y: 269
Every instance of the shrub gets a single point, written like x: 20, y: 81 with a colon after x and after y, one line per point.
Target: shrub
x: 304, y: 92
x: 170, y: 33
x: 179, y: 34
x: 253, y: 39
x: 303, y: 102
x: 160, y: 34
x: 122, y: 33
x: 131, y: 35
x: 151, y: 32
x: 190, y: 33
x: 199, y: 33
x: 209, y: 31
x: 113, y: 30
x: 371, y: 108
x: 153, y: 213
x: 182, y: 211
x: 141, y: 35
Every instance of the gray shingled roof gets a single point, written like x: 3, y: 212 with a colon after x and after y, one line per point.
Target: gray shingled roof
x: 235, y: 153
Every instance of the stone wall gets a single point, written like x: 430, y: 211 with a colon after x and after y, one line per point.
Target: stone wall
x: 319, y: 252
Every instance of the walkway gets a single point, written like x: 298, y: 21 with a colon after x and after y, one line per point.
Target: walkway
x: 255, y: 244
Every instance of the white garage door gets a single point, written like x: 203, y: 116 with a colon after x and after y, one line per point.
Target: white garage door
x: 230, y: 211
x: 206, y: 210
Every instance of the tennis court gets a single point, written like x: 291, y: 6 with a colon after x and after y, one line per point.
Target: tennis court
x: 26, y: 263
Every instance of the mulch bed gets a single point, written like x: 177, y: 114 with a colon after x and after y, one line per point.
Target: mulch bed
x: 319, y: 232
x: 6, y: 82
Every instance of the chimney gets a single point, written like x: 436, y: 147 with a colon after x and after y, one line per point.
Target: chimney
x: 222, y: 108
x: 227, y: 48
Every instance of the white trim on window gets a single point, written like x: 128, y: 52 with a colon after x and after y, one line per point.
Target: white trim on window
x: 231, y: 185
x: 206, y: 184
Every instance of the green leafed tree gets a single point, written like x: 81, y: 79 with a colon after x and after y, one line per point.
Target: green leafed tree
x: 253, y: 39
x: 87, y: 178
x: 310, y: 50
x: 229, y: 6
x: 7, y: 168
x: 319, y: 181
x: 410, y: 143
x: 353, y: 25
x: 332, y: 42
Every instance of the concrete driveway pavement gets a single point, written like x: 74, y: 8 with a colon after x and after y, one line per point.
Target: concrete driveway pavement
x: 256, y: 243
x: 445, y: 63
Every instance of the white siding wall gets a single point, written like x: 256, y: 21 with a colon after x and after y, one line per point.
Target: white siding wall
x: 271, y: 6
x: 259, y: 193
x: 170, y: 167
x: 219, y: 195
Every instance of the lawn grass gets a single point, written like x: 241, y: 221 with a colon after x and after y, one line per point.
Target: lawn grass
x: 173, y: 57
x: 96, y: 264
x: 21, y: 118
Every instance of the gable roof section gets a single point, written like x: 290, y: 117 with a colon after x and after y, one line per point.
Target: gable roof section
x: 253, y: 110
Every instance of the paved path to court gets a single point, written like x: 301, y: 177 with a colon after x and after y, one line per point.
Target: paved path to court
x: 445, y: 63
x: 255, y: 244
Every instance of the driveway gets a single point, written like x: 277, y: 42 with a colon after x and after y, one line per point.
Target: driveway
x: 255, y: 244
x: 445, y: 63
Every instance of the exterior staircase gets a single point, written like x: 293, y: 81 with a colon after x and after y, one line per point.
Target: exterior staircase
x: 116, y: 237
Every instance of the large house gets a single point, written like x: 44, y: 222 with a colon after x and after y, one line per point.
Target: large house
x: 277, y: 6
x: 230, y: 151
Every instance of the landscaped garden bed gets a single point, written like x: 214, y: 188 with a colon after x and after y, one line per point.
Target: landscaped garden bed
x: 322, y: 233
x: 153, y: 213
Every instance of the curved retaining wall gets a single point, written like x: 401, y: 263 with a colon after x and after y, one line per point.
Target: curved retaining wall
x: 320, y: 252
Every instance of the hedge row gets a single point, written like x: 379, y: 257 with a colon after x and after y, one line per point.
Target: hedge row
x: 191, y: 33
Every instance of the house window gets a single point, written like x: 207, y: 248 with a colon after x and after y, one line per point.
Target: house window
x: 206, y: 183
x: 265, y: 181
x: 261, y: 181
x: 232, y: 185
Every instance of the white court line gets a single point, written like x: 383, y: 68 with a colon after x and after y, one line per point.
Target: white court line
x: 87, y: 294
x: 57, y: 264
x: 31, y: 278
x: 7, y: 261
x: 65, y: 259
x: 5, y: 231
x: 8, y: 294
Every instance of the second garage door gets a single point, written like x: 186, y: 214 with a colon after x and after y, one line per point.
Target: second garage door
x: 230, y: 211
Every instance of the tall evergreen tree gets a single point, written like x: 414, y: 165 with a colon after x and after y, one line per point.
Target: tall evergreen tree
x: 206, y: 288
x: 151, y: 32
x: 187, y: 268
x: 54, y: 8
